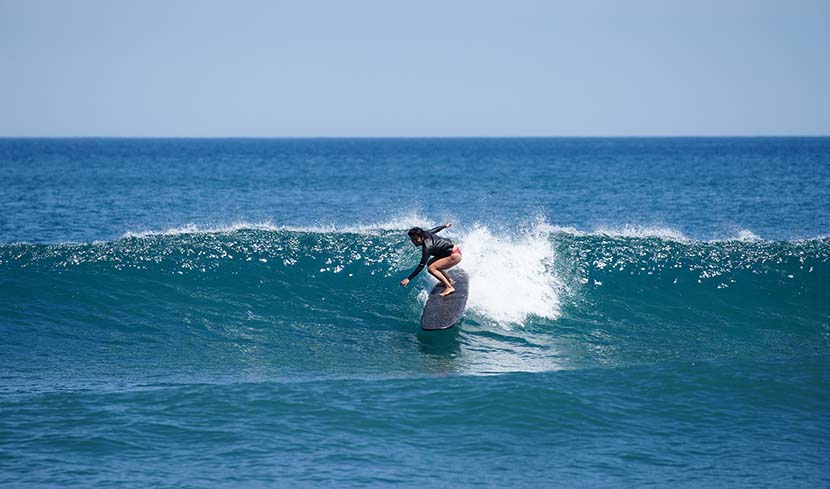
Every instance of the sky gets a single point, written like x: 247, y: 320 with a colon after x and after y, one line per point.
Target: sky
x: 414, y: 69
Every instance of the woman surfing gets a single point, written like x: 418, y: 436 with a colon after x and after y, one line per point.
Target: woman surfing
x: 445, y: 255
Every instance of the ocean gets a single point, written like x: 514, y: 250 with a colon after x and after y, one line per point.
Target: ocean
x: 643, y: 312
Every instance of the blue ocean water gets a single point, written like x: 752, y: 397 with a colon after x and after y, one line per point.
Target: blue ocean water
x: 226, y: 313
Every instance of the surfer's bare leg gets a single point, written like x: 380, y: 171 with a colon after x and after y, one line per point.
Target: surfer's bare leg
x: 436, y: 269
x: 438, y: 274
x: 439, y: 271
x: 443, y: 279
x: 446, y: 276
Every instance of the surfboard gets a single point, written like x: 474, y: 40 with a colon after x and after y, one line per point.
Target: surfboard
x: 443, y: 312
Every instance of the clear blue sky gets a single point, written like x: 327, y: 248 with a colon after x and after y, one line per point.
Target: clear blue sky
x: 425, y: 68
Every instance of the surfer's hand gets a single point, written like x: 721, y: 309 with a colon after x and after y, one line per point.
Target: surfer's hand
x: 404, y: 282
x: 448, y: 225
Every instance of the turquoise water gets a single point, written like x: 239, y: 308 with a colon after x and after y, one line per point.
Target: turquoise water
x: 225, y: 313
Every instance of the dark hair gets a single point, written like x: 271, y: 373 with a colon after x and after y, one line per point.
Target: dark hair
x: 416, y: 232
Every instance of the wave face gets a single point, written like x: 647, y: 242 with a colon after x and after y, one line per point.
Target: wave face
x: 270, y: 301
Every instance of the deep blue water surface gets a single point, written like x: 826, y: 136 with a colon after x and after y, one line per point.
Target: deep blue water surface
x: 225, y: 313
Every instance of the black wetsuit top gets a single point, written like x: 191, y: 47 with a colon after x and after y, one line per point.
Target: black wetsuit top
x: 433, y: 245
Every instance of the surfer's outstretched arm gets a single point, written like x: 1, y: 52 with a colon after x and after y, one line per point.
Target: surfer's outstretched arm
x: 424, y: 259
x: 441, y: 228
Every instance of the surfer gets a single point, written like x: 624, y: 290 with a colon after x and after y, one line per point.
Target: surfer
x: 445, y: 255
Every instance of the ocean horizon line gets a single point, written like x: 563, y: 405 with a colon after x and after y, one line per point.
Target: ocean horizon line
x: 645, y: 136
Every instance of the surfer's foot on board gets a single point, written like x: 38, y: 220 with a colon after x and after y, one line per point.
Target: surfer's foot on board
x: 447, y: 291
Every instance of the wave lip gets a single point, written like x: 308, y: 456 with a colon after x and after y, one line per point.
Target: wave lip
x: 395, y: 224
x: 636, y: 231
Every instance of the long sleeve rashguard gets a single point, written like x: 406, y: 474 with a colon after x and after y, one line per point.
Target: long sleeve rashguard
x: 433, y: 245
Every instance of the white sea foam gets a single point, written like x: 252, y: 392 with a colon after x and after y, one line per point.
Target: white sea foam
x: 636, y: 231
x: 511, y: 277
x: 196, y: 229
x: 400, y: 223
x: 405, y: 221
x: 395, y: 224
x: 745, y: 235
